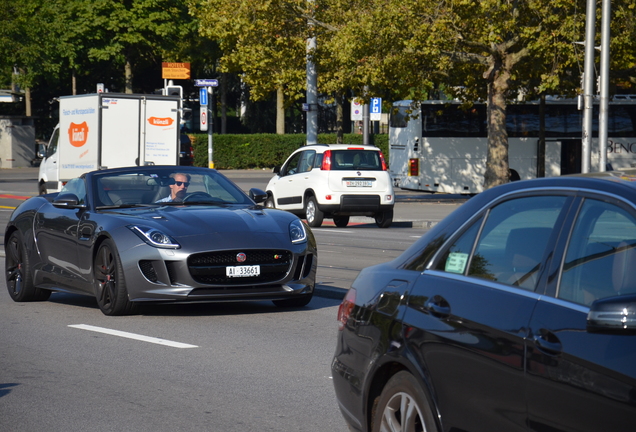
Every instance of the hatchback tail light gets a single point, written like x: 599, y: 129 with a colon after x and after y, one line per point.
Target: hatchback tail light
x: 384, y: 167
x: 326, y: 161
x: 346, y: 307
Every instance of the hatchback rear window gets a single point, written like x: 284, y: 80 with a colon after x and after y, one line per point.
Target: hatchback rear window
x: 368, y: 160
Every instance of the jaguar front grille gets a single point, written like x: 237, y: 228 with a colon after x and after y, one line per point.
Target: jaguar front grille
x: 210, y: 267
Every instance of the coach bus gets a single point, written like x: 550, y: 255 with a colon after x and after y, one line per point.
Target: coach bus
x: 441, y: 146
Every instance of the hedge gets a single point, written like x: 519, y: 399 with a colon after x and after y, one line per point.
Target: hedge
x: 264, y: 150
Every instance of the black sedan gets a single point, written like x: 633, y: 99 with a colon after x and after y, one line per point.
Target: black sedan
x: 517, y: 312
x: 158, y: 234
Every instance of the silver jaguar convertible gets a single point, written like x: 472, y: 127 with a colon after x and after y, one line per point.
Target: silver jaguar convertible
x: 158, y: 234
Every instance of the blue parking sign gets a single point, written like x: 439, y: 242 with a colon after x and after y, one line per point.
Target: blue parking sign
x: 376, y: 105
x: 203, y: 96
x: 375, y: 110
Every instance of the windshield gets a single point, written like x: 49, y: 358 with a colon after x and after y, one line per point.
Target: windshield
x: 165, y: 187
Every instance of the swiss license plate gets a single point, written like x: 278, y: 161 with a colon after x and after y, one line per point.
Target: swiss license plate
x: 358, y: 183
x: 243, y: 271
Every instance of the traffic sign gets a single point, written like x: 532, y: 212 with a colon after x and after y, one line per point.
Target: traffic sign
x: 203, y: 124
x: 206, y: 83
x: 203, y: 96
x: 356, y: 110
x: 375, y: 113
x: 175, y: 70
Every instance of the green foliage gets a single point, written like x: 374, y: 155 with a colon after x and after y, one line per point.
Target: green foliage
x: 264, y: 150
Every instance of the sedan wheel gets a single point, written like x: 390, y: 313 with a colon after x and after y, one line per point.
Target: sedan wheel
x: 402, y: 407
x: 18, y: 272
x: 313, y: 214
x: 110, y: 287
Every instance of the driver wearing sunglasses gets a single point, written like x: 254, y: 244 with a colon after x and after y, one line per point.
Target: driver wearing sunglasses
x: 178, y: 188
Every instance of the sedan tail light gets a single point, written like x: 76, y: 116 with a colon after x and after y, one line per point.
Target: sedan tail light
x: 346, y: 307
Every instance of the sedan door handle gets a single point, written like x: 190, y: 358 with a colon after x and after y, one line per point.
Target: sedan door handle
x: 437, y: 306
x: 548, y: 342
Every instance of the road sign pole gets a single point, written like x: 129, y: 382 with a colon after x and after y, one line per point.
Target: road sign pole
x: 210, y: 123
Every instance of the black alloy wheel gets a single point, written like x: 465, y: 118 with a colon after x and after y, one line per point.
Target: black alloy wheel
x: 110, y: 287
x: 18, y: 272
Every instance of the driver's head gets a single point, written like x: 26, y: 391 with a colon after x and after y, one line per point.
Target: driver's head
x: 180, y: 186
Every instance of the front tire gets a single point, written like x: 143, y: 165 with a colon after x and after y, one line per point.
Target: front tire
x: 384, y: 219
x: 18, y: 272
x: 312, y: 213
x: 402, y: 406
x: 269, y: 202
x: 42, y: 189
x: 110, y: 286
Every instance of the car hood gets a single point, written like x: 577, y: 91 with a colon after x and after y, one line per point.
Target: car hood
x: 198, y: 220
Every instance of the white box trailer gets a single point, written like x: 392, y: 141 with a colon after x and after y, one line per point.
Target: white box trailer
x: 110, y: 130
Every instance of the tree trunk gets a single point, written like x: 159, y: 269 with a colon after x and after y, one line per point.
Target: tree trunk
x: 27, y: 102
x: 128, y: 76
x: 280, y: 111
x: 224, y: 79
x: 497, y: 170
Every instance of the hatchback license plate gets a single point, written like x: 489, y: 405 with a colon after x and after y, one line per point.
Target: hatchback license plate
x: 243, y: 271
x: 358, y: 183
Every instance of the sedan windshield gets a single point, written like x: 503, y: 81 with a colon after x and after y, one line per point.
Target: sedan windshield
x: 164, y: 186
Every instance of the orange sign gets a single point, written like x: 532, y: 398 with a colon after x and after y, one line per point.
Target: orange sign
x: 175, y: 70
x: 78, y: 134
x: 160, y: 121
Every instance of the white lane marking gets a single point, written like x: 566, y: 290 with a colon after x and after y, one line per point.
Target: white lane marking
x: 132, y: 336
x: 331, y: 230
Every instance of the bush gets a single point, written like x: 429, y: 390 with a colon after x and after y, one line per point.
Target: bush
x: 264, y: 150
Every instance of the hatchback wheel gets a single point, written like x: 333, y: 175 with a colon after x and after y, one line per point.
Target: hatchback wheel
x: 402, y: 406
x: 312, y: 213
x: 384, y: 219
x: 341, y: 221
x: 110, y: 287
x: 269, y: 203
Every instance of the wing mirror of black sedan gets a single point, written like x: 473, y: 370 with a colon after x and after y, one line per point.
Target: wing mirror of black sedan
x: 67, y: 200
x: 613, y: 315
x: 257, y: 195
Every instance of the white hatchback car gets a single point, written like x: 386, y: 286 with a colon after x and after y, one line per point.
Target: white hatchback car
x: 334, y: 181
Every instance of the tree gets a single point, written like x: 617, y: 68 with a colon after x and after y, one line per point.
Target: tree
x: 262, y: 41
x: 477, y: 50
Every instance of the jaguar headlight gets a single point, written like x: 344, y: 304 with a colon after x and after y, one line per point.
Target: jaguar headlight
x: 297, y: 232
x: 154, y: 237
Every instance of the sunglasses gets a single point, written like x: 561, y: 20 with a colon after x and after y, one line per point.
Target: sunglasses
x: 186, y: 184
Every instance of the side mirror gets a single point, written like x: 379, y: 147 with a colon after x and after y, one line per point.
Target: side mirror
x: 67, y: 200
x: 613, y: 314
x: 257, y: 195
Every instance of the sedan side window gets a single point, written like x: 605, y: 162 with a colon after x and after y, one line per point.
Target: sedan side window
x: 512, y: 243
x: 601, y: 256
